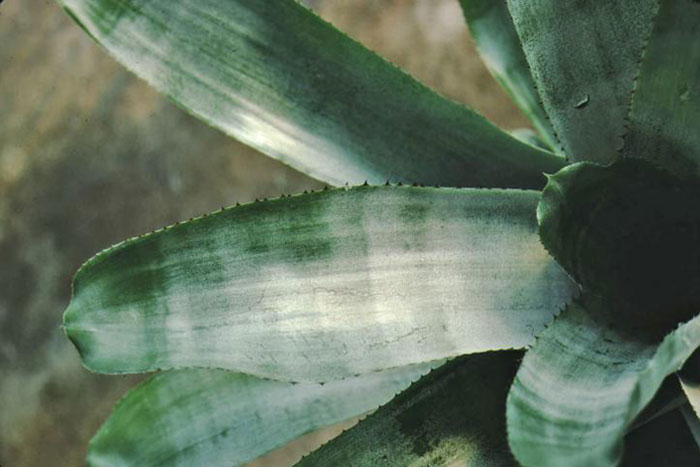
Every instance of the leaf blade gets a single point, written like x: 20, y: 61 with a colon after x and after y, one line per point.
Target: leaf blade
x: 592, y: 372
x: 595, y: 221
x: 449, y: 417
x: 665, y: 441
x: 582, y: 385
x: 690, y: 385
x: 584, y: 57
x: 216, y: 417
x: 693, y: 422
x: 666, y: 103
x: 691, y: 389
x: 499, y: 46
x: 322, y: 286
x: 278, y: 78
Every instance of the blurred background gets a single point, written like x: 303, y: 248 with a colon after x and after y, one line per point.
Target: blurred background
x: 90, y: 155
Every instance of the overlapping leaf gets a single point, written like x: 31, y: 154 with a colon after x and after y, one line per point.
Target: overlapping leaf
x: 668, y: 398
x: 667, y: 441
x: 280, y: 79
x: 450, y: 417
x: 692, y: 391
x: 584, y: 57
x: 583, y: 383
x: 322, y: 286
x: 693, y: 422
x: 528, y: 136
x: 666, y: 104
x: 592, y: 372
x: 629, y: 233
x: 221, y: 418
x: 499, y: 46
x: 335, y: 284
x: 689, y: 378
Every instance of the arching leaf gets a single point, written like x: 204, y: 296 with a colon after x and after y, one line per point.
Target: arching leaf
x: 597, y: 366
x: 322, y: 286
x: 584, y: 57
x: 499, y: 46
x: 452, y: 416
x: 666, y: 441
x: 221, y: 418
x: 277, y: 77
x: 583, y: 383
x: 629, y: 233
x: 666, y: 102
x: 693, y: 422
x: 668, y: 398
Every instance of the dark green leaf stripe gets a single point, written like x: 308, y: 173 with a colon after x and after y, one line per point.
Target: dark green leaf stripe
x: 584, y: 56
x: 582, y: 385
x: 499, y: 46
x: 666, y: 103
x: 322, y: 286
x: 220, y: 418
x: 449, y: 418
x: 275, y: 76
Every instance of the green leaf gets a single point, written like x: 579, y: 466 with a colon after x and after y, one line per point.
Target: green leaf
x: 689, y: 378
x: 499, y: 46
x: 665, y: 110
x: 278, y: 78
x: 627, y: 233
x: 666, y: 442
x: 692, y: 392
x: 528, y: 136
x: 322, y: 286
x: 584, y: 56
x: 691, y: 412
x: 668, y: 397
x: 692, y: 419
x: 452, y: 416
x: 217, y: 417
x: 691, y: 389
x: 582, y: 385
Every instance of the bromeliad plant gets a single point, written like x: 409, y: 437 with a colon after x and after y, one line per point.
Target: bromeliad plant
x: 369, y: 288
